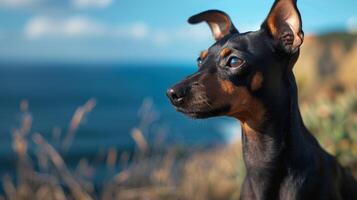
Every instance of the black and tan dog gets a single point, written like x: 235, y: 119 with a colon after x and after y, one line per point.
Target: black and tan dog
x: 249, y: 76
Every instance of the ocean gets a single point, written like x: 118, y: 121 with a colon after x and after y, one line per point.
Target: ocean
x: 124, y: 95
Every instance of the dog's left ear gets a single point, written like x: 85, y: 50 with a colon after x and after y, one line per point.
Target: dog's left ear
x: 285, y: 26
x: 219, y: 22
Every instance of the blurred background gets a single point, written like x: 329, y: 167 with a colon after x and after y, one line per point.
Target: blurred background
x: 83, y: 108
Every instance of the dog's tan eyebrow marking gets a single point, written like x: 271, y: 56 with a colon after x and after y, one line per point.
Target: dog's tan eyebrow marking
x: 225, y: 52
x: 257, y: 81
x: 204, y: 54
x: 227, y: 86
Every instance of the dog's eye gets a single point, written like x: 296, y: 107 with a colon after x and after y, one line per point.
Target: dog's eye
x: 235, y: 62
x: 199, y: 61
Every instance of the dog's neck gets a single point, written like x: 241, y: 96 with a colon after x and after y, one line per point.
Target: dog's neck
x: 277, y: 144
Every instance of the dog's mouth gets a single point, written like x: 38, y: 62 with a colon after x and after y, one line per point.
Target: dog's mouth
x: 203, y: 113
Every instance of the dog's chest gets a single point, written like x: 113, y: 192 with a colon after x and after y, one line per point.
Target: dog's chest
x: 290, y: 187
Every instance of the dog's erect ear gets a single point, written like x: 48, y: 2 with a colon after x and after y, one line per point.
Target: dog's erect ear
x: 284, y: 24
x: 219, y: 22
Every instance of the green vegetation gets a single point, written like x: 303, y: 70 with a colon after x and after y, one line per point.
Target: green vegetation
x: 334, y: 122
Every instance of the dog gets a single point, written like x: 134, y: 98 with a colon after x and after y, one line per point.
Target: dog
x: 249, y: 76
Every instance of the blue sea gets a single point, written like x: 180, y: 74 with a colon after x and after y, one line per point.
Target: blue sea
x: 55, y: 91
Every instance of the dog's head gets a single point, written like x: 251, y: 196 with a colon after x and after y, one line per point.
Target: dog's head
x: 241, y: 72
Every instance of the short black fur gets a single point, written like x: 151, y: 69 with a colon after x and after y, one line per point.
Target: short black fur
x: 283, y: 159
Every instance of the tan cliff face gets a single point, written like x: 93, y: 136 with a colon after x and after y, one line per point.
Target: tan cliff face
x: 348, y: 67
x: 327, y: 62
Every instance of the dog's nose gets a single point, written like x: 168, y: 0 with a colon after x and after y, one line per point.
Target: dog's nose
x: 176, y: 96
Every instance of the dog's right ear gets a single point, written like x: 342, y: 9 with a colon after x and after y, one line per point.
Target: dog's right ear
x: 219, y: 22
x: 284, y: 24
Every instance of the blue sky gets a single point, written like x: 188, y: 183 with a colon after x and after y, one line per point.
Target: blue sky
x: 139, y: 30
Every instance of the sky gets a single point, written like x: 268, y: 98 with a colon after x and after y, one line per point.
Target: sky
x: 139, y: 31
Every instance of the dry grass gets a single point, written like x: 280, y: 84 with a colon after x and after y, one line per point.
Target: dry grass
x: 174, y: 174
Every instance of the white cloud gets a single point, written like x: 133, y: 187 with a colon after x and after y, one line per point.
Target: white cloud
x: 80, y: 4
x: 139, y: 30
x: 91, y: 3
x: 136, y: 30
x: 76, y: 27
x: 189, y: 33
x: 198, y: 33
x: 352, y: 24
x: 39, y: 27
x: 19, y: 3
x: 161, y: 38
x: 248, y: 27
x: 79, y: 26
